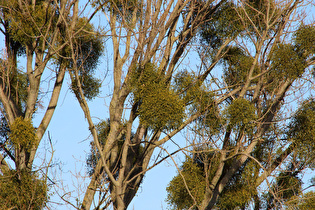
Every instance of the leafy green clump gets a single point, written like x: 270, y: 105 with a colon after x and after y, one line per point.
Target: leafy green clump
x: 236, y: 197
x: 288, y: 185
x: 22, y: 133
x: 240, y: 113
x: 88, y: 48
x: 238, y: 64
x: 18, y: 82
x: 28, y: 21
x: 301, y: 132
x: 307, y: 201
x: 203, y: 166
x: 123, y: 9
x: 103, y: 129
x: 159, y: 106
x: 187, y: 86
x: 223, y: 24
x: 90, y: 85
x: 211, y: 120
x: 178, y: 196
x: 23, y: 190
x: 190, y: 89
x: 287, y: 62
x: 241, y: 188
x: 302, y: 127
x: 304, y: 39
x: 199, y: 100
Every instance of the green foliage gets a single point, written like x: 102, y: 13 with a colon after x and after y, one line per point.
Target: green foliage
x: 237, y: 193
x: 288, y: 185
x: 302, y: 127
x: 19, y: 87
x: 199, y: 100
x: 304, y: 39
x: 27, y: 22
x: 301, y: 132
x: 18, y: 82
x: 237, y: 66
x: 192, y: 91
x: 4, y: 129
x: 241, y: 188
x: 187, y: 86
x: 230, y: 21
x: 178, y: 196
x: 256, y: 12
x: 103, y: 129
x: 286, y: 188
x: 307, y: 201
x: 239, y: 196
x: 287, y: 62
x: 193, y: 171
x: 222, y: 25
x: 22, y: 133
x: 211, y: 120
x: 90, y: 85
x: 88, y: 48
x: 159, y: 106
x: 123, y: 9
x: 240, y: 113
x: 23, y: 190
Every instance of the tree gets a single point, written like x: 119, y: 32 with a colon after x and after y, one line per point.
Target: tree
x: 149, y: 39
x: 259, y: 139
x: 48, y: 34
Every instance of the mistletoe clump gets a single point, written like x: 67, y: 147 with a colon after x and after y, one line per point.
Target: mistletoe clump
x: 23, y: 190
x: 22, y: 133
x: 241, y: 113
x: 159, y: 106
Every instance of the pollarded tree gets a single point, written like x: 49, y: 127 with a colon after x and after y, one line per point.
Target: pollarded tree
x: 47, y: 34
x: 259, y: 138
